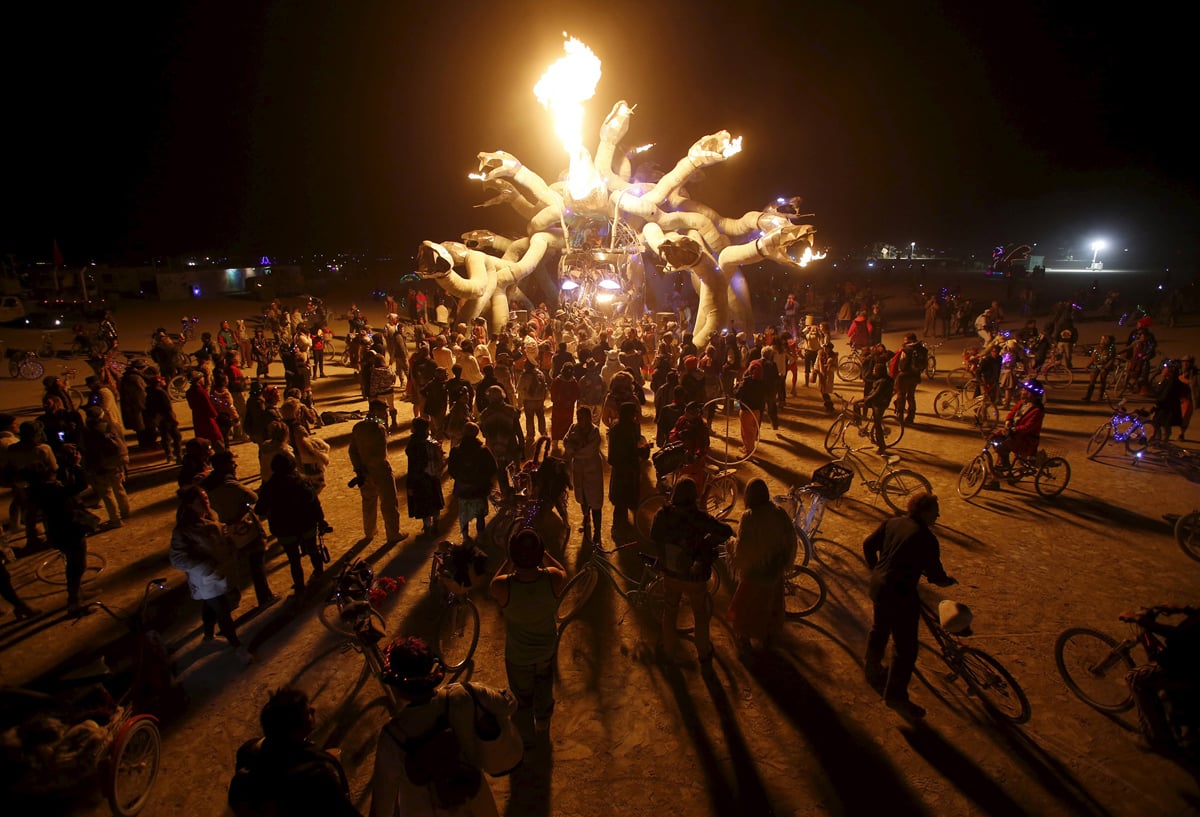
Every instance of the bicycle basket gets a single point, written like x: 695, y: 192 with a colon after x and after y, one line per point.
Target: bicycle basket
x: 669, y: 459
x: 833, y: 479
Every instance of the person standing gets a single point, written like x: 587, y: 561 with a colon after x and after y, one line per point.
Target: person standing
x: 582, y: 447
x: 105, y: 467
x: 232, y: 501
x: 295, y: 515
x: 199, y: 549
x: 526, y: 588
x: 564, y: 394
x: 424, y: 480
x: 473, y: 468
x: 204, y: 411
x: 688, y: 539
x: 765, y: 549
x: 906, y: 375
x: 932, y: 306
x: 898, y: 553
x: 532, y: 390
x: 625, y: 451
x: 373, y: 473
x: 501, y: 427
x: 56, y: 493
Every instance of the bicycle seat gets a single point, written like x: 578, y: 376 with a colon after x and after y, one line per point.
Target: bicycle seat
x: 891, y: 459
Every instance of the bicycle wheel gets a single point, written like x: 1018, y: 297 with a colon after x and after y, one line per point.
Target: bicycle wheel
x: 76, y: 396
x: 576, y: 594
x: 1139, y: 435
x: 995, y: 685
x: 733, y: 431
x: 804, y: 592
x: 835, y: 438
x: 959, y: 378
x: 458, y: 632
x: 849, y: 370
x: 134, y: 767
x: 719, y: 496
x: 893, y: 430
x: 331, y: 617
x: 1094, y: 665
x: 53, y: 570
x: 14, y: 367
x: 643, y: 517
x: 1187, y: 534
x: 177, y: 388
x: 972, y: 477
x: 946, y: 404
x: 1098, y: 440
x: 1057, y: 375
x: 931, y: 367
x: 1052, y: 477
x: 898, y: 486
x: 31, y: 369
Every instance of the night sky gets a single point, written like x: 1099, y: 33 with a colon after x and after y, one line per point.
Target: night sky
x: 288, y: 128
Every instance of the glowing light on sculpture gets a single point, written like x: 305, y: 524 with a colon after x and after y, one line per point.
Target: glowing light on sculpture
x: 600, y: 224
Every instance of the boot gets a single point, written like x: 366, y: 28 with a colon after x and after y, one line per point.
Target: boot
x: 596, y: 524
x: 395, y: 425
x: 587, y: 528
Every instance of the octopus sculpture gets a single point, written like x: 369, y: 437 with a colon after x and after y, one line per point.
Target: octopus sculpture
x: 600, y: 224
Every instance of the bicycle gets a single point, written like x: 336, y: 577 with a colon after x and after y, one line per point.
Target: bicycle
x: 458, y: 620
x: 850, y: 367
x: 970, y: 401
x: 931, y: 364
x: 853, y: 416
x: 984, y: 675
x: 66, y: 374
x: 1129, y: 427
x: 1051, y: 475
x: 644, y: 592
x: 24, y: 363
x: 349, y: 612
x: 126, y: 759
x: 1094, y: 665
x: 895, y: 485
x: 523, y: 509
x: 1053, y: 372
x: 1186, y: 528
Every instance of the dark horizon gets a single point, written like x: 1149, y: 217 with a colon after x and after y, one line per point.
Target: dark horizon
x: 266, y: 128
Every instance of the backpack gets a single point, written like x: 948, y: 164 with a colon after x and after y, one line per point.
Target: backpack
x: 591, y: 388
x: 536, y: 387
x: 435, y: 760
x: 918, y: 358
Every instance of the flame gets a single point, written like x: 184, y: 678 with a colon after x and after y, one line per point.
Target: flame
x: 734, y: 146
x: 562, y: 90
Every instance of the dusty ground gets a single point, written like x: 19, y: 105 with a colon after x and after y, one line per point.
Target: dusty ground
x: 793, y: 732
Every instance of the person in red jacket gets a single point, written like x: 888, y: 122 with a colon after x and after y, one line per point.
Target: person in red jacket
x: 1023, y: 427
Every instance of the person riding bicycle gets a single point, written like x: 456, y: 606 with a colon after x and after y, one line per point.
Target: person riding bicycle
x: 1172, y: 676
x: 1022, y: 430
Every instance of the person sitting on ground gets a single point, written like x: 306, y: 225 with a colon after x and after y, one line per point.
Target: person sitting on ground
x: 1022, y: 431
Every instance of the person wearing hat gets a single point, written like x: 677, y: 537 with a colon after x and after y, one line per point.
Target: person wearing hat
x: 1022, y: 431
x: 899, y: 552
x: 373, y: 473
x: 53, y: 386
x: 414, y: 674
x: 104, y: 397
x: 132, y: 393
x: 985, y: 326
x: 526, y: 588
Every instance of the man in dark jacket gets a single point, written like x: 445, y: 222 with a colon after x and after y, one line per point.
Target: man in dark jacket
x: 295, y: 515
x: 899, y: 552
x: 285, y: 773
x: 473, y: 469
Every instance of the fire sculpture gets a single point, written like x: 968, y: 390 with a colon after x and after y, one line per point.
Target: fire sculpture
x: 600, y: 223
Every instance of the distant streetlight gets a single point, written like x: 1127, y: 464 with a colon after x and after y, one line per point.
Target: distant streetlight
x: 1097, y: 246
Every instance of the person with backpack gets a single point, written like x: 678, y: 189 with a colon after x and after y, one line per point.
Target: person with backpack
x: 426, y: 763
x: 104, y: 463
x: 905, y: 368
x: 532, y: 389
x: 285, y: 774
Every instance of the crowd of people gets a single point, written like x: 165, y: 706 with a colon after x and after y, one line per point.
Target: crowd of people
x: 613, y: 390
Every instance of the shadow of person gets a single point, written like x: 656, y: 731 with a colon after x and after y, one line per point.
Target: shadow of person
x: 853, y: 775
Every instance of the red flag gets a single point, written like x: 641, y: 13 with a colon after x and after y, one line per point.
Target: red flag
x: 58, y: 259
